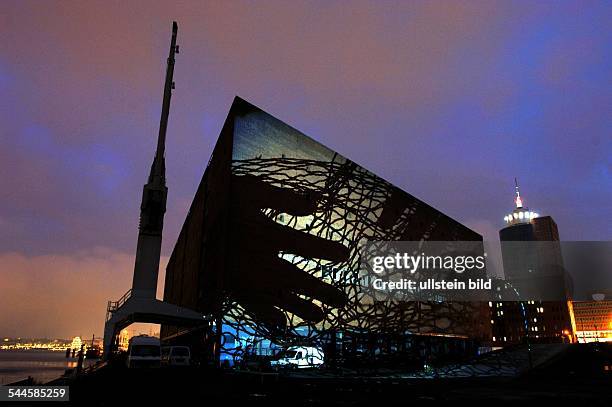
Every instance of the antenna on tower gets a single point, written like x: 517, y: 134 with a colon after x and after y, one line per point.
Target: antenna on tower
x: 518, y: 201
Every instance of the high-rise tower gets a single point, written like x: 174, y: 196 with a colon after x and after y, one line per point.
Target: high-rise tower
x: 536, y: 260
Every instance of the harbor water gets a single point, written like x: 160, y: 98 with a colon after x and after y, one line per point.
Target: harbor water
x: 42, y: 365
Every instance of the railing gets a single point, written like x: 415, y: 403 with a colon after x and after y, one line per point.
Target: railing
x: 113, y: 306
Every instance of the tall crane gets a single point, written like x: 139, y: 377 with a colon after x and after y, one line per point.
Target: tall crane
x: 154, y: 195
x: 139, y: 303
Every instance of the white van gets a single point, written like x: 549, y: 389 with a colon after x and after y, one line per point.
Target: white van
x: 143, y: 351
x: 299, y: 357
x: 175, y: 356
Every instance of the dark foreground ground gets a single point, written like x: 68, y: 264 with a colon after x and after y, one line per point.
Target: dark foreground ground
x: 580, y: 375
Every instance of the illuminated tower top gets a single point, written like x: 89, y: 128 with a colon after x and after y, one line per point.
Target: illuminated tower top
x: 520, y: 214
x: 518, y: 201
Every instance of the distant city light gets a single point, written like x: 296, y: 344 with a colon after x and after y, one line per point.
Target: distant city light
x: 42, y: 344
x: 76, y: 343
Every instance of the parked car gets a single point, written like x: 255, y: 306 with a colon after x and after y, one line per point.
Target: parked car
x: 298, y: 357
x: 143, y: 351
x: 175, y: 356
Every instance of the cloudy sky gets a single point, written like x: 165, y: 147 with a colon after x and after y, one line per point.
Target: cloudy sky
x: 448, y: 100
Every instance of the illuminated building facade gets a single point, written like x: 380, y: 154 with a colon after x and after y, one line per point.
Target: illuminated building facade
x: 593, y: 320
x: 539, y: 321
x: 124, y: 340
x: 271, y: 248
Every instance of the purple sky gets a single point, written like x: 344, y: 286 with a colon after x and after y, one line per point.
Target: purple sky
x: 449, y: 101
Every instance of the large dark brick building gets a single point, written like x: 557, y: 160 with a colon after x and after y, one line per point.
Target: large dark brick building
x: 270, y: 247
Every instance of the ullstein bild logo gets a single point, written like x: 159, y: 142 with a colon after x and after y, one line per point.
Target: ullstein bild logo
x: 414, y: 265
x: 462, y: 271
x: 432, y: 284
x: 425, y: 271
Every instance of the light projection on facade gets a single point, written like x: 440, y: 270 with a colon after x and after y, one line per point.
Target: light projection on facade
x: 272, y: 242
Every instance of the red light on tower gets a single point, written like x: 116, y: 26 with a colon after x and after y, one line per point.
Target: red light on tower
x: 518, y: 201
